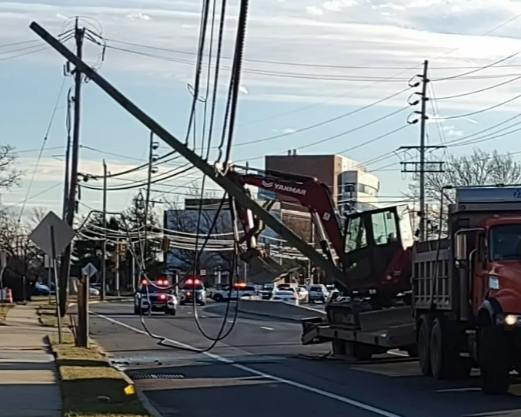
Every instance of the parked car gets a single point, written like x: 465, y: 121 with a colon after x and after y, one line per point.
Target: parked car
x: 286, y: 296
x: 303, y: 294
x: 40, y: 289
x: 318, y: 292
x: 239, y: 290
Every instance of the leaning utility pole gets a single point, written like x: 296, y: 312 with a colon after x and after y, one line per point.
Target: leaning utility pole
x: 73, y: 179
x: 104, y: 248
x: 151, y: 158
x: 422, y: 167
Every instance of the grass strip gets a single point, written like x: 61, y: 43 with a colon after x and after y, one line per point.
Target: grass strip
x: 4, y: 309
x: 90, y: 386
x: 47, y: 316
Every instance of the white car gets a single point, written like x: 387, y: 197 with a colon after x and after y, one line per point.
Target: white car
x: 240, y: 290
x: 303, y: 294
x: 285, y: 296
x: 152, y: 297
x: 318, y: 292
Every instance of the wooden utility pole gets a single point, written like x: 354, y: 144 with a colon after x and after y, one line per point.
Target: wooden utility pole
x: 73, y: 179
x: 104, y: 248
x: 423, y: 119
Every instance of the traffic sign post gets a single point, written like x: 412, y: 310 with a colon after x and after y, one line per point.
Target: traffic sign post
x: 53, y: 235
x: 87, y: 272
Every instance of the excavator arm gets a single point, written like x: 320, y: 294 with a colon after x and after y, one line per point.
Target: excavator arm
x: 308, y: 191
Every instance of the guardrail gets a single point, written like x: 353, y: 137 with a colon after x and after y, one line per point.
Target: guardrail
x: 278, y: 309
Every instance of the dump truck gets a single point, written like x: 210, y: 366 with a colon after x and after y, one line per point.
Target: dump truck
x: 465, y: 309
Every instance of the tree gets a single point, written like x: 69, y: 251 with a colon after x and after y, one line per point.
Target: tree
x: 9, y: 176
x: 135, y: 221
x: 479, y: 168
x: 88, y: 246
x: 24, y: 259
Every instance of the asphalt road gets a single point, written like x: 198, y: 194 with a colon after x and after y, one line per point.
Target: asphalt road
x: 260, y: 370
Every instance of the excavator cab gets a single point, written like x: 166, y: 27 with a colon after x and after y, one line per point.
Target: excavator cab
x: 376, y: 251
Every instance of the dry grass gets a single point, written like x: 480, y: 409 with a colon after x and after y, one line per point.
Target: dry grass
x: 90, y: 386
x: 4, y: 309
x: 47, y: 316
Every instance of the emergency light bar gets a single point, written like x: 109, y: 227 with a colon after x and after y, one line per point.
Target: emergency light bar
x: 488, y: 195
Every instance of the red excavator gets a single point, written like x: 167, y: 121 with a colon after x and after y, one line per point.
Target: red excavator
x: 372, y: 249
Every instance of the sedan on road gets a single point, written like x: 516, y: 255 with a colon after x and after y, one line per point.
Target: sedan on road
x: 288, y: 297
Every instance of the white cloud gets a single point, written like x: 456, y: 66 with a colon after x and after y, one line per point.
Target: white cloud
x: 314, y: 10
x: 452, y: 132
x: 138, y: 16
x: 371, y: 33
x: 289, y: 130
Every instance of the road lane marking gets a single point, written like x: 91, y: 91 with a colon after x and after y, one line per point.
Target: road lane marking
x: 267, y: 328
x: 396, y: 353
x: 327, y: 394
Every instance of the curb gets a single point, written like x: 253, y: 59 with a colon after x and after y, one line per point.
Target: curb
x: 145, y: 402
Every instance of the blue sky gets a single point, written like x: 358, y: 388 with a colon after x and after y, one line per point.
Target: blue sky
x: 302, y: 85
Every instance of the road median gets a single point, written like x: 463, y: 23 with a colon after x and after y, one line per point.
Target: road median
x: 90, y: 386
x: 278, y: 310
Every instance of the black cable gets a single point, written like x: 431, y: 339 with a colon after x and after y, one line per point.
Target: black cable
x: 479, y: 69
x: 208, y: 76
x: 198, y: 68
x: 368, y: 142
x: 333, y: 119
x: 459, y: 116
x: 481, y: 90
x: 220, y: 39
x: 185, y: 169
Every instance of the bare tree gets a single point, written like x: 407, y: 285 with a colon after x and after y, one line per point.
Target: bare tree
x: 37, y: 215
x: 479, y: 168
x: 24, y: 259
x: 9, y: 176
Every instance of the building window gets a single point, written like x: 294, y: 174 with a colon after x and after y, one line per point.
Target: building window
x: 367, y: 189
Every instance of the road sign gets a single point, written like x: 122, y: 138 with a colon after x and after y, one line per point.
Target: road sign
x: 89, y: 270
x: 63, y: 234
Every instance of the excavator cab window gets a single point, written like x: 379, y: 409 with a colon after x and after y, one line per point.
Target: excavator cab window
x: 356, y: 234
x: 373, y: 242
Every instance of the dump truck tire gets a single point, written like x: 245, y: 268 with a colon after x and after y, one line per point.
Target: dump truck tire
x: 423, y: 343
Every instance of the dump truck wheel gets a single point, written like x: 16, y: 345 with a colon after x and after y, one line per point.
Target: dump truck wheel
x: 423, y: 343
x: 495, y: 378
x: 443, y: 357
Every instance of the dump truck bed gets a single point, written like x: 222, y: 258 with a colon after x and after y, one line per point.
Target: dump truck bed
x: 389, y: 329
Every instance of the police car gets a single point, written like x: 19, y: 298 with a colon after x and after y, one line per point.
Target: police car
x: 155, y: 296
x: 193, y: 289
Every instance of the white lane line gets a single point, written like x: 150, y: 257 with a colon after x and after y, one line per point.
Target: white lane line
x: 267, y: 328
x: 396, y: 353
x: 289, y: 382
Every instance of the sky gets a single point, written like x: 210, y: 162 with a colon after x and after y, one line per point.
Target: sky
x: 321, y: 77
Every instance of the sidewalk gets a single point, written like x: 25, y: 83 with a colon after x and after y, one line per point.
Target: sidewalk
x: 28, y: 378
